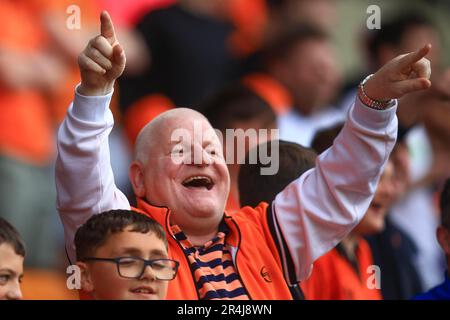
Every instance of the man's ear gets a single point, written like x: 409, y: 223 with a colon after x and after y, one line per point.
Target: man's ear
x: 443, y: 237
x: 136, y: 174
x: 86, y: 280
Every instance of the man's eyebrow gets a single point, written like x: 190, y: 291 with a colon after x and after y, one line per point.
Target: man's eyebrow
x: 176, y: 141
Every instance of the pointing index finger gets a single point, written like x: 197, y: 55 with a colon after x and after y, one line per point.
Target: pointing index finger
x: 413, y: 57
x: 107, y: 27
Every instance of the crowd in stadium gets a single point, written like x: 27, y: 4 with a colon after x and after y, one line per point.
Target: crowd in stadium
x: 103, y: 196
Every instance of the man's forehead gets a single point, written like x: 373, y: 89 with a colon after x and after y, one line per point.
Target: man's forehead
x: 195, y: 127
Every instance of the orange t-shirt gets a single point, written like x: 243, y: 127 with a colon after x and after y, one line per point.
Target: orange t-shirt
x: 334, y: 278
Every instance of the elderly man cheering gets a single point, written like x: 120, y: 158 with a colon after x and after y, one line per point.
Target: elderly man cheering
x: 256, y: 253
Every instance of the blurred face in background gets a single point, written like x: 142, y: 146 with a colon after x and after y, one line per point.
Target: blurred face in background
x: 311, y: 73
x: 321, y: 13
x: 402, y: 166
x: 374, y: 219
x: 413, y: 38
x: 11, y: 273
x: 211, y: 8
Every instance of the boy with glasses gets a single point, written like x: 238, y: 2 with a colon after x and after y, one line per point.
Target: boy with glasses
x: 122, y: 255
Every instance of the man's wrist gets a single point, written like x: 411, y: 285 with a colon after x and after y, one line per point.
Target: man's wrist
x: 368, y: 100
x: 91, y: 91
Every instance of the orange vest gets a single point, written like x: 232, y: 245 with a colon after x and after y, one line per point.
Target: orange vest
x: 257, y: 260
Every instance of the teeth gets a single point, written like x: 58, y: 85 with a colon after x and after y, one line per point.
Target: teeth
x: 196, y: 178
x: 142, y: 291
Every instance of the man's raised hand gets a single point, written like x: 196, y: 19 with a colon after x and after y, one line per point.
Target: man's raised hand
x: 402, y: 75
x: 102, y: 61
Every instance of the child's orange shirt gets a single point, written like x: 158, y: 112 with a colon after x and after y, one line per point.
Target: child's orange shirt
x: 334, y: 278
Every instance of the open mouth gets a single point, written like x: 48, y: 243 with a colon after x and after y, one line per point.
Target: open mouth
x: 198, y: 182
x: 143, y: 290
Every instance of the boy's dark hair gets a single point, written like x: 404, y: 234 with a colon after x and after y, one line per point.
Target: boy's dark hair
x: 9, y: 235
x: 96, y: 230
x: 234, y: 104
x: 254, y: 188
x: 392, y: 32
x: 324, y: 138
x: 445, y: 205
x: 280, y: 47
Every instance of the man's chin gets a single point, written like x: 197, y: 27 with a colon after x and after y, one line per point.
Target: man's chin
x: 201, y: 204
x: 202, y: 208
x: 203, y: 211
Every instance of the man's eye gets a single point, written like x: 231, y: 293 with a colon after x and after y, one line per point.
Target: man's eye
x: 177, y: 151
x: 212, y: 151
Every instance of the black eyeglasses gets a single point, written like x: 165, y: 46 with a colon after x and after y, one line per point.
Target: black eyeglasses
x: 134, y: 267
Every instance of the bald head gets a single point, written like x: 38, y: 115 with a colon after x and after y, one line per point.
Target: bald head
x: 159, y: 129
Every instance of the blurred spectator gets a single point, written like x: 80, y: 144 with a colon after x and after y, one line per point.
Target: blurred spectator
x: 250, y: 19
x: 128, y: 13
x: 393, y: 250
x: 289, y: 13
x: 238, y: 108
x: 190, y: 57
x: 294, y: 160
x: 442, y: 292
x: 304, y: 63
x: 30, y: 73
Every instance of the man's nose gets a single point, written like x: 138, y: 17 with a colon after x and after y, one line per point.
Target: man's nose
x: 200, y: 157
x: 14, y: 292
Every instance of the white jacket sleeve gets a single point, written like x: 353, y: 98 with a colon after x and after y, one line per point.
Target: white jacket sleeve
x: 84, y: 178
x: 317, y: 210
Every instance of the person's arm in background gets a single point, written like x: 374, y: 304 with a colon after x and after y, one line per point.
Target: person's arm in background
x: 41, y: 70
x: 316, y: 211
x: 84, y: 178
x: 70, y: 43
